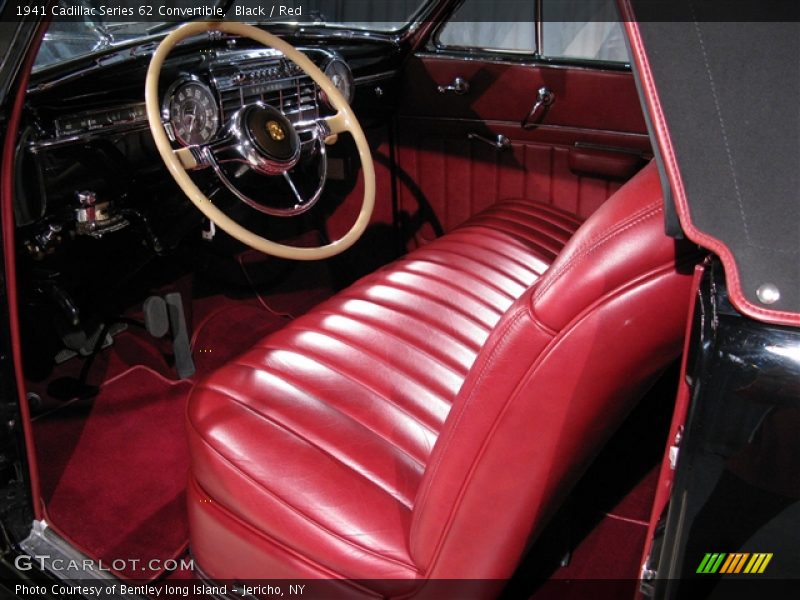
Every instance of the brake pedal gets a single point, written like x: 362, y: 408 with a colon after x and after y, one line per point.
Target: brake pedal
x: 166, y: 315
x: 184, y: 364
x: 156, y: 319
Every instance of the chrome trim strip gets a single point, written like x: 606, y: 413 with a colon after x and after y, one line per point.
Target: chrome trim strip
x: 515, y: 124
x: 141, y: 118
x: 494, y: 58
x: 47, y: 547
x: 376, y: 77
x: 37, y: 145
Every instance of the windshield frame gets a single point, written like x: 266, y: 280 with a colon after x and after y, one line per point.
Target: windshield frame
x: 300, y: 29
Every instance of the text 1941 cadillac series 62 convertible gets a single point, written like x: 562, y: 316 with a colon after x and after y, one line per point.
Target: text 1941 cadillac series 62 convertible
x: 430, y: 298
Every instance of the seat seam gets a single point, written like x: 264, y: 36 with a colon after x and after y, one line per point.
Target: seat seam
x: 527, y: 244
x: 536, y: 231
x: 436, y: 300
x: 594, y: 244
x: 521, y: 203
x: 403, y: 373
x: 503, y: 269
x: 295, y: 434
x: 513, y: 278
x: 294, y: 509
x: 527, y: 247
x: 479, y: 278
x: 516, y: 246
x: 467, y: 343
x: 316, y: 357
x: 407, y: 268
x: 293, y: 382
x: 560, y: 221
x: 397, y: 337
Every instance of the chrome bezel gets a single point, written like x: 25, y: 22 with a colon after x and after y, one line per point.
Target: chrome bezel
x: 166, y: 113
x: 334, y: 58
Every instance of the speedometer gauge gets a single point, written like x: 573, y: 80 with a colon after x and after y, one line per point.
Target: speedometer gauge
x: 340, y: 74
x: 193, y: 113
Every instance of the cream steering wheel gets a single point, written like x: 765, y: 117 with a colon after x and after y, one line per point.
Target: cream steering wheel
x: 180, y: 161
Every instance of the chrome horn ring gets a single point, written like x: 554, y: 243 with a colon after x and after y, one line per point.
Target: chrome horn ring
x: 275, y: 153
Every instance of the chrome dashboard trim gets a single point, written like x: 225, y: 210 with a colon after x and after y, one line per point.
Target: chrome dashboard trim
x: 217, y: 80
x: 376, y: 77
x: 36, y: 145
x: 166, y: 101
x: 87, y: 113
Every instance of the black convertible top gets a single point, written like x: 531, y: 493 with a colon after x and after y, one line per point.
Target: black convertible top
x: 729, y: 95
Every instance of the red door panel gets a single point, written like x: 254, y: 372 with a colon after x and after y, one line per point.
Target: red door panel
x: 585, y: 145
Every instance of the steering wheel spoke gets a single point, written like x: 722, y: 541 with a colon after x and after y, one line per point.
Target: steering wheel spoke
x: 293, y: 187
x: 190, y: 158
x: 331, y: 127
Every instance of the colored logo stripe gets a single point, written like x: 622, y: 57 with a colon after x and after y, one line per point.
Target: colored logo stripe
x: 758, y: 563
x: 734, y: 563
x: 711, y: 563
x: 723, y: 563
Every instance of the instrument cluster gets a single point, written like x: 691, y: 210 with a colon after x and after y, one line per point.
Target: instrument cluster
x: 196, y: 105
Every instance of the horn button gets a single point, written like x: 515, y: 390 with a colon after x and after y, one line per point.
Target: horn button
x: 262, y: 137
x: 272, y: 133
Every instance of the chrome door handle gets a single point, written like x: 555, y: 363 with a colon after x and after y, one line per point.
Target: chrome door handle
x: 501, y: 142
x: 544, y: 98
x: 459, y: 86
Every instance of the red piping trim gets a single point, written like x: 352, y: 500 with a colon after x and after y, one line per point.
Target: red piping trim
x: 665, y: 474
x: 9, y: 255
x: 737, y: 296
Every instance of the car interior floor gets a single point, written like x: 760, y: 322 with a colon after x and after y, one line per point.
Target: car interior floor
x: 109, y: 428
x: 594, y: 545
x: 110, y: 439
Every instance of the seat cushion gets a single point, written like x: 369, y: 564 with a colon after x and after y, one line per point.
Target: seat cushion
x: 309, y: 449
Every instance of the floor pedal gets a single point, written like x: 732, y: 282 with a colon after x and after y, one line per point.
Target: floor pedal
x: 162, y: 315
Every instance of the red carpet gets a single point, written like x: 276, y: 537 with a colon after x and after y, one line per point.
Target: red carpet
x: 229, y: 330
x: 113, y: 470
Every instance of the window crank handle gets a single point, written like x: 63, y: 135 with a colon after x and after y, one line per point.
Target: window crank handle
x: 544, y: 98
x: 501, y: 142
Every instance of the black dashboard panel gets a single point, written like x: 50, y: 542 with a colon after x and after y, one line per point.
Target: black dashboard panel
x: 87, y: 127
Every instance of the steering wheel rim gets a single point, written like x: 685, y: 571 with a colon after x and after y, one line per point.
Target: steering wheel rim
x: 179, y: 161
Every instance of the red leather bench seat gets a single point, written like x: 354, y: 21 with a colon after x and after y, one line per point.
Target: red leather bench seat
x: 425, y: 421
x: 346, y: 402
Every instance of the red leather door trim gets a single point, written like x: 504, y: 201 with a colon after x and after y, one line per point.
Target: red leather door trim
x: 449, y: 168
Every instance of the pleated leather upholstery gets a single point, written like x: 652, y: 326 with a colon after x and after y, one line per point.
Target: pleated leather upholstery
x: 346, y: 403
x: 424, y: 423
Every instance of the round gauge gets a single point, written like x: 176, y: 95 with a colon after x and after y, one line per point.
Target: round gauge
x: 342, y: 77
x: 193, y: 113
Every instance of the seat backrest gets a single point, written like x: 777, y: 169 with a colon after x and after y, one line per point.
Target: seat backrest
x: 557, y: 376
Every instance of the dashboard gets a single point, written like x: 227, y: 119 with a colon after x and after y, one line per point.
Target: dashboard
x: 197, y: 102
x: 86, y: 157
x: 94, y: 204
